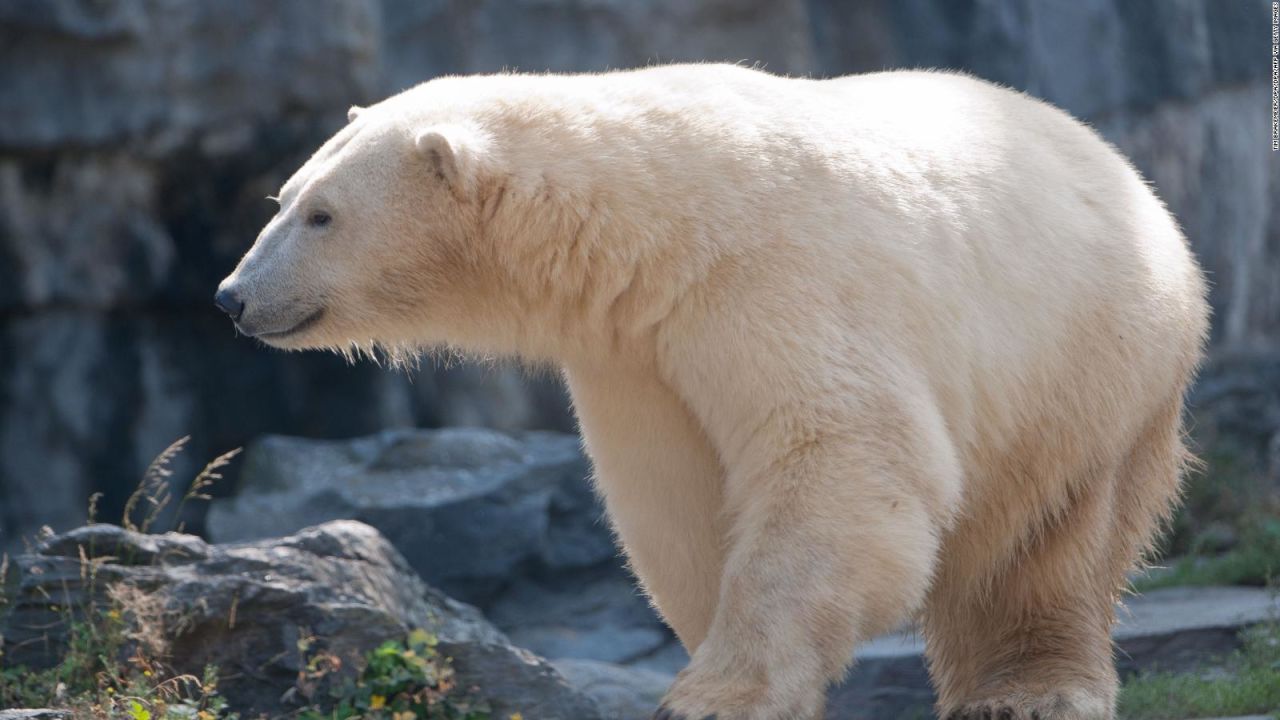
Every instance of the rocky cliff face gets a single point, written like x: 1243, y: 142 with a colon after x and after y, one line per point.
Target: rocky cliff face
x: 140, y: 137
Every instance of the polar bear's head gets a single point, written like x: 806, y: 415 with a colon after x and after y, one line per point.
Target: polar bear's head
x: 371, y: 236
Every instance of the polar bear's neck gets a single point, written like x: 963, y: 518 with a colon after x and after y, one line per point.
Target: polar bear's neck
x: 604, y: 209
x: 601, y: 233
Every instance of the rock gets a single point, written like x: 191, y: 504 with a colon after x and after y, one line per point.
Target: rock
x: 668, y: 659
x: 596, y: 614
x: 515, y: 680
x: 43, y: 714
x: 466, y: 507
x: 508, y: 522
x: 245, y: 608
x: 1174, y: 629
x: 100, y: 74
x: 890, y: 680
x: 622, y: 693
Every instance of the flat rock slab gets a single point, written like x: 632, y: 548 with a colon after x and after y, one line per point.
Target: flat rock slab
x: 1174, y: 629
x: 1177, y: 629
x: 1146, y: 623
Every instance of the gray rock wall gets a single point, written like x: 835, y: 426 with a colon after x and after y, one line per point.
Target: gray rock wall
x: 140, y: 136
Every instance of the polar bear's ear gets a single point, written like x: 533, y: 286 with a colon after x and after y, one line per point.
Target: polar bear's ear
x: 353, y: 113
x: 453, y: 153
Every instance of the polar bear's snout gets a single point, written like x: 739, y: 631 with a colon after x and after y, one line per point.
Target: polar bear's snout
x: 228, y: 301
x: 257, y: 315
x: 268, y: 296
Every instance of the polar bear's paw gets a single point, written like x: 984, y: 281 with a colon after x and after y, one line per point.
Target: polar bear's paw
x: 739, y: 694
x: 1073, y: 705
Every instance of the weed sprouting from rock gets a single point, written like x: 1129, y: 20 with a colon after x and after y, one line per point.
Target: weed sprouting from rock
x: 402, y: 680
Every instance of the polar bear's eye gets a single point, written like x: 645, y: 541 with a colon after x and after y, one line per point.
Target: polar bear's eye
x: 320, y: 219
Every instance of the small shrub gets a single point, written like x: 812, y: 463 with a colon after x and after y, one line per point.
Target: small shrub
x: 402, y: 680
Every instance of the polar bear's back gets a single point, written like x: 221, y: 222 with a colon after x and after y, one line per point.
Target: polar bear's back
x: 983, y: 236
x: 987, y: 237
x: 934, y: 169
x: 1052, y: 287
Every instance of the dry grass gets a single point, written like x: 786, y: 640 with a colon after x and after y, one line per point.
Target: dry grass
x: 113, y: 665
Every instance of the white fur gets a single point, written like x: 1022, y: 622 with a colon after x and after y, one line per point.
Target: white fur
x: 842, y: 350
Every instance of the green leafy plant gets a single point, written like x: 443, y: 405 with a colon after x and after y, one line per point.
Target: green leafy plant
x: 401, y: 680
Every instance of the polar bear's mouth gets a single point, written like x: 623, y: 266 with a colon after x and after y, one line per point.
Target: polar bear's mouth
x: 306, y: 322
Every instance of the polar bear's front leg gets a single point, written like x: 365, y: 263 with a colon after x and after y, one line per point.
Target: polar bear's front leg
x: 838, y: 500
x: 833, y: 549
x: 662, y: 487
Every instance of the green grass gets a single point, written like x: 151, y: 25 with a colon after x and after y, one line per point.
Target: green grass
x: 1250, y: 685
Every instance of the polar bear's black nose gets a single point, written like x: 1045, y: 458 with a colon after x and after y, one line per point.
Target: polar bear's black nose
x: 229, y: 303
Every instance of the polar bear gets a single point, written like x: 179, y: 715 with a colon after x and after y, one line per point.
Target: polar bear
x: 845, y: 353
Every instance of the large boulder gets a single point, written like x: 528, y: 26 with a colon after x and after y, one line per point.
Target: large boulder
x: 245, y: 607
x: 507, y: 522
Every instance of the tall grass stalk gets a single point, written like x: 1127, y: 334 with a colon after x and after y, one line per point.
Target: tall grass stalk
x: 154, y: 488
x: 202, y: 482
